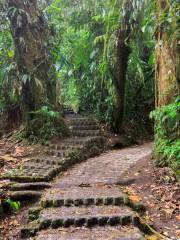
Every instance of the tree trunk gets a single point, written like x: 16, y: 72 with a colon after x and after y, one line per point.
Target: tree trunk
x: 167, y: 59
x: 122, y: 53
x: 30, y: 32
x: 119, y: 79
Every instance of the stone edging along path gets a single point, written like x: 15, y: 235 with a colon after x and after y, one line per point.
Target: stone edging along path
x: 84, y: 202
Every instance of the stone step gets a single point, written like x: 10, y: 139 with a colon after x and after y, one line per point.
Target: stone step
x: 82, y: 118
x: 98, y: 233
x: 85, y: 216
x: 77, y: 140
x: 85, y: 133
x: 59, y: 153
x: 45, y: 168
x: 29, y: 186
x: 78, y: 196
x: 84, y: 127
x: 66, y: 146
x: 69, y: 112
x: 50, y: 160
x: 31, y: 172
x: 81, y: 122
x: 85, y: 140
x: 24, y: 195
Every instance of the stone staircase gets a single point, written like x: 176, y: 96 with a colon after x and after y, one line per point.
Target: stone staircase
x: 80, y: 213
x: 85, y: 141
x: 75, y: 211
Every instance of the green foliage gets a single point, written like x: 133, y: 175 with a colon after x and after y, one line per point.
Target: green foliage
x: 48, y: 124
x: 82, y: 45
x: 83, y: 49
x: 7, y: 205
x: 13, y: 204
x: 45, y: 125
x: 169, y: 19
x: 7, y: 84
x: 167, y: 135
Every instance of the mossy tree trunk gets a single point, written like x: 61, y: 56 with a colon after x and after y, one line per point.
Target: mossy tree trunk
x: 122, y: 52
x: 167, y: 56
x: 30, y: 34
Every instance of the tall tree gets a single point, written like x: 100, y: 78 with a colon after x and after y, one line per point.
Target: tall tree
x: 30, y: 34
x: 167, y: 52
x: 122, y: 52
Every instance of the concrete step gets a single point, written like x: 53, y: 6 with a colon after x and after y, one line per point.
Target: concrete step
x: 98, y: 233
x: 78, y: 196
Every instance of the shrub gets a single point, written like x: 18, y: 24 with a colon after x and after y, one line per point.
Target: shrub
x: 46, y: 124
x: 167, y: 135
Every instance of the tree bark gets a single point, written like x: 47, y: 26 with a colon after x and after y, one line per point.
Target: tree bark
x: 30, y: 34
x: 122, y: 53
x: 119, y: 79
x: 167, y: 60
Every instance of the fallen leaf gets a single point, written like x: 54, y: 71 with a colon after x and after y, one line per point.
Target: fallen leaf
x: 137, y: 174
x: 8, y: 158
x: 135, y: 198
x: 153, y: 237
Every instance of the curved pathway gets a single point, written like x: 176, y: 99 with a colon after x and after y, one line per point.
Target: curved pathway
x: 85, y: 202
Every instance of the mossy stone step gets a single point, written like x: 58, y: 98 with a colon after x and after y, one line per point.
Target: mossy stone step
x: 85, y: 133
x: 98, y: 233
x: 66, y: 147
x: 50, y: 160
x: 84, y: 127
x: 83, y: 140
x: 30, y: 230
x: 29, y: 186
x: 78, y: 118
x: 81, y: 122
x: 25, y: 195
x: 78, y: 196
x: 31, y: 172
x: 62, y: 153
x: 85, y: 216
x: 45, y: 168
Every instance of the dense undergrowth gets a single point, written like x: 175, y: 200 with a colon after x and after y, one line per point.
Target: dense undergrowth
x: 45, y: 125
x: 167, y: 135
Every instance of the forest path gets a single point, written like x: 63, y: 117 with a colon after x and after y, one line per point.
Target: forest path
x: 86, y: 202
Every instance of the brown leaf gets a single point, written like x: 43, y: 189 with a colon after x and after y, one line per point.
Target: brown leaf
x: 135, y: 198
